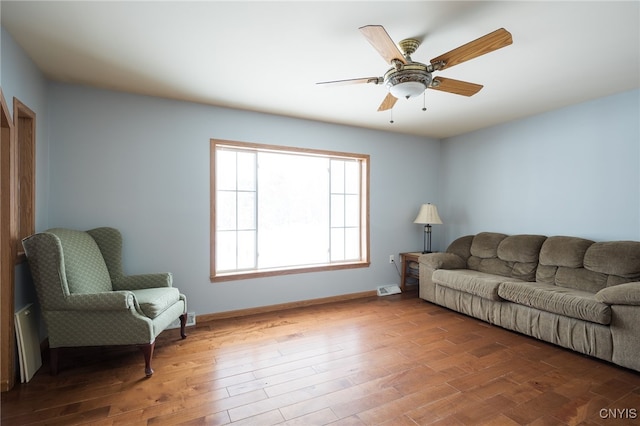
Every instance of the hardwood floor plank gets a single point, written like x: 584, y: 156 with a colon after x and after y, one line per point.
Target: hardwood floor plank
x: 393, y: 360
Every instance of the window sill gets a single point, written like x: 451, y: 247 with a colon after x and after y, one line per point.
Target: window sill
x: 286, y: 271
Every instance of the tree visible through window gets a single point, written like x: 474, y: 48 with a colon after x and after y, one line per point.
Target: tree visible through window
x: 282, y: 210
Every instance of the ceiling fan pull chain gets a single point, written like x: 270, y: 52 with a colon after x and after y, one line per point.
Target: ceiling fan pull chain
x: 391, y: 115
x: 424, y: 100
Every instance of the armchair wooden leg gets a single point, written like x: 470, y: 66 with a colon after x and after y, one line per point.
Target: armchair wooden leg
x: 183, y: 324
x: 147, y: 351
x: 53, y: 360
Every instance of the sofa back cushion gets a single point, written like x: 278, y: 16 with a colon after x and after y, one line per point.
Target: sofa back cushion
x: 562, y: 264
x: 521, y: 252
x: 564, y: 251
x: 514, y: 256
x: 461, y: 247
x: 569, y: 262
x: 484, y: 254
x: 618, y: 260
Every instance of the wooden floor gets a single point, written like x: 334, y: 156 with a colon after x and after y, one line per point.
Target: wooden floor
x: 394, y: 360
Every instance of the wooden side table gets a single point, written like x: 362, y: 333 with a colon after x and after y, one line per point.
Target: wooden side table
x: 409, y: 275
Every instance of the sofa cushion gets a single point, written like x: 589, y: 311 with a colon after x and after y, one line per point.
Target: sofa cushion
x: 484, y: 254
x: 474, y: 282
x: 559, y: 300
x: 521, y: 254
x: 485, y: 244
x: 461, y: 246
x: 514, y: 256
x: 521, y: 248
x: 580, y: 279
x: 154, y: 301
x: 493, y: 266
x: 621, y: 258
x: 564, y: 251
x: 562, y: 264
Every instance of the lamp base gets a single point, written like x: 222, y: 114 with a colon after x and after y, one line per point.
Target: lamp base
x: 427, y: 239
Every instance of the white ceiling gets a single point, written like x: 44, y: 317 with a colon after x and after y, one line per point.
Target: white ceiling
x: 267, y: 56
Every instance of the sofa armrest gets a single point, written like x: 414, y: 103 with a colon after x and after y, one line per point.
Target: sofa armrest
x: 107, y: 301
x: 430, y: 262
x: 142, y: 281
x: 621, y: 294
x: 442, y: 261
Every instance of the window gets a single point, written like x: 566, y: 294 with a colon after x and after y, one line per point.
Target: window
x: 277, y: 210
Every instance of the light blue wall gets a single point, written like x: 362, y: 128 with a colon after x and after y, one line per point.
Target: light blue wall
x: 574, y: 171
x: 141, y: 164
x: 20, y: 78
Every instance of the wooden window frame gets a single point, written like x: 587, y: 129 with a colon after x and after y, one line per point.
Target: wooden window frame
x: 365, y: 228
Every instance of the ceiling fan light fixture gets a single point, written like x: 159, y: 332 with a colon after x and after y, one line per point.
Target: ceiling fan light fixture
x: 408, y: 89
x: 410, y: 81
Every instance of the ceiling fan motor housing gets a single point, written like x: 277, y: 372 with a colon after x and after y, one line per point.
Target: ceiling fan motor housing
x: 410, y: 80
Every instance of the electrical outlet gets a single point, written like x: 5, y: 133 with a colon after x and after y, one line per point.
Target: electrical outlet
x: 392, y: 258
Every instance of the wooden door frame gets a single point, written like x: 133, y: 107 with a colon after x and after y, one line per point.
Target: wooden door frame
x: 8, y: 238
x: 24, y: 124
x: 17, y: 219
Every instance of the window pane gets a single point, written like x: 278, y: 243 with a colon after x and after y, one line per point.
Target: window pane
x: 337, y: 210
x: 337, y: 244
x: 352, y: 177
x: 225, y: 170
x: 337, y: 176
x: 226, y: 210
x: 246, y: 249
x: 225, y: 250
x: 293, y: 210
x: 246, y: 210
x: 352, y: 210
x: 292, y: 246
x: 246, y: 171
x: 352, y: 244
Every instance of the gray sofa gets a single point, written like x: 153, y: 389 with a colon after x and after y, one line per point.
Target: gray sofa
x: 573, y: 292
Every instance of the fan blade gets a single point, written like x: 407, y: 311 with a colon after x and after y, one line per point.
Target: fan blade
x: 455, y: 86
x: 380, y: 40
x: 483, y: 45
x: 388, y: 102
x: 374, y: 80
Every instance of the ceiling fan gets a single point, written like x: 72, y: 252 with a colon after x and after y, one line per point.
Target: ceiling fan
x: 407, y: 78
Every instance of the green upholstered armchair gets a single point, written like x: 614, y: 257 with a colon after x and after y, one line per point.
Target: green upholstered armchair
x: 86, y: 300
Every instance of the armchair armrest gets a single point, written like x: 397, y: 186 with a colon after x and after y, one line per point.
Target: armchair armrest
x: 621, y: 294
x: 442, y: 261
x: 106, y: 301
x: 142, y: 281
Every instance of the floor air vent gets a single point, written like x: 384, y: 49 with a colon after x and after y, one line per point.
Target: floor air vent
x: 191, y: 320
x: 386, y: 290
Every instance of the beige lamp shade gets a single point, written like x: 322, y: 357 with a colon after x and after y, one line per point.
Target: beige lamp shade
x: 428, y: 214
